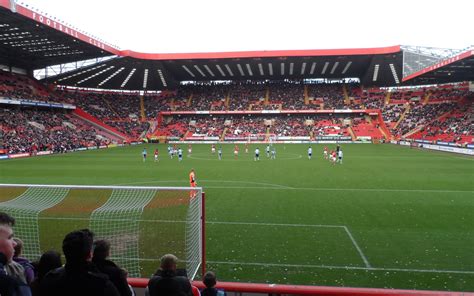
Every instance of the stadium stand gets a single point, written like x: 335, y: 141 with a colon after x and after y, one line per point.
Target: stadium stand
x: 403, y: 111
x: 391, y: 113
x: 30, y: 130
x: 117, y: 110
x: 242, y: 96
x: 331, y: 95
x: 419, y: 115
x: 154, y: 104
x: 457, y: 127
x: 21, y: 86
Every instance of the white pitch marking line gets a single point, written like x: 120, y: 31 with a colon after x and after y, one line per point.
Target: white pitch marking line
x: 207, y: 222
x: 249, y: 182
x: 283, y: 187
x: 343, y: 189
x: 366, y: 262
x: 211, y: 181
x: 283, y: 265
x: 364, y: 258
x: 315, y: 266
x: 342, y: 267
x: 296, y: 156
x: 339, y: 189
x: 383, y: 190
x: 275, y: 224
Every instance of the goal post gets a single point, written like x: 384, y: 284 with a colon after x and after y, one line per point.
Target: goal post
x: 142, y: 223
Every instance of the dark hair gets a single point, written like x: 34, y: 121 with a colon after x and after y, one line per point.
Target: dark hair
x: 6, y: 219
x: 77, y: 245
x: 101, y: 249
x: 49, y: 260
x: 209, y: 279
x: 168, y: 262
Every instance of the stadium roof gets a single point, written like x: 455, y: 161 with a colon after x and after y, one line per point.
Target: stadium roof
x: 160, y: 71
x: 455, y: 68
x: 31, y: 40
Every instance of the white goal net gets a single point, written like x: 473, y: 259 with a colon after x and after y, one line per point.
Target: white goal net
x: 141, y: 223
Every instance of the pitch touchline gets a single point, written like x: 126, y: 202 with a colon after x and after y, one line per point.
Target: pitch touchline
x: 313, y: 266
x: 341, y: 267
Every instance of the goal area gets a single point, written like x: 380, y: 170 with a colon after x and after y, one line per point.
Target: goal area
x: 142, y: 223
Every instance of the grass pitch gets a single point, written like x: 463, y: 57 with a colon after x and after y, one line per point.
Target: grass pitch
x: 389, y: 216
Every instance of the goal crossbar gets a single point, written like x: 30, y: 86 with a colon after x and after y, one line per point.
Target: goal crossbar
x: 99, y: 187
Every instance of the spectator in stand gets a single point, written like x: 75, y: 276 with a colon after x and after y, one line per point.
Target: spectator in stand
x: 78, y: 277
x: 117, y: 275
x: 52, y: 130
x: 331, y: 94
x: 50, y: 260
x: 210, y: 282
x: 27, y: 266
x: 10, y: 285
x: 288, y: 95
x: 167, y: 282
x: 391, y: 113
x: 15, y: 269
x: 420, y: 115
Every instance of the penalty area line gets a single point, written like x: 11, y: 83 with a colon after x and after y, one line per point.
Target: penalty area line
x: 366, y: 262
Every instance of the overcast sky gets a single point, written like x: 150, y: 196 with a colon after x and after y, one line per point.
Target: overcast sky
x: 163, y: 26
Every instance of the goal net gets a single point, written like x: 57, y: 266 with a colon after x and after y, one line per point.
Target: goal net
x: 141, y: 223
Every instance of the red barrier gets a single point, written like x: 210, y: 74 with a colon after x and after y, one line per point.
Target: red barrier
x: 307, y: 290
x: 383, y: 125
x: 81, y: 113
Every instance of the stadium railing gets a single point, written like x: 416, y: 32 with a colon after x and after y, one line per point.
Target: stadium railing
x: 275, y: 289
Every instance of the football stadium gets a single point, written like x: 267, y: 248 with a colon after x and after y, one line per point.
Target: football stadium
x: 280, y: 172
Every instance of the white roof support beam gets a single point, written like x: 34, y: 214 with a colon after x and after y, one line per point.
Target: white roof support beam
x: 313, y: 67
x: 189, y: 71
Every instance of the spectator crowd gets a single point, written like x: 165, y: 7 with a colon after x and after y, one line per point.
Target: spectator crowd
x: 28, y: 130
x: 88, y: 270
x: 133, y: 114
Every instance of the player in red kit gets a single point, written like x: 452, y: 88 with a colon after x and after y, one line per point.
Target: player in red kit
x: 333, y: 157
